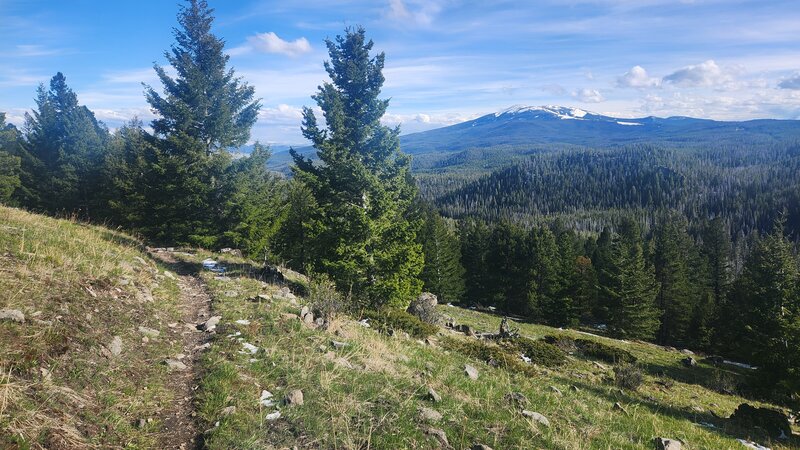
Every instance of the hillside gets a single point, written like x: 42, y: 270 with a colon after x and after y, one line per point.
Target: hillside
x: 97, y: 363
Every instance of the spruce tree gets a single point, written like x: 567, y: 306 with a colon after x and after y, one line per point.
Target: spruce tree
x: 675, y: 300
x: 544, y: 296
x: 442, y: 273
x: 204, y: 111
x: 475, y: 245
x: 363, y: 185
x: 299, y: 228
x: 629, y: 286
x: 9, y: 161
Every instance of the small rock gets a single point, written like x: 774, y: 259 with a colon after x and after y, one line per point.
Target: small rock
x: 228, y: 411
x: 481, y: 447
x: 689, y: 362
x: 273, y: 416
x: 517, y: 399
x: 471, y: 372
x: 169, y: 275
x: 115, y: 347
x: 249, y: 348
x: 13, y: 315
x: 294, y: 398
x: 667, y: 444
x: 574, y: 388
x: 440, y: 435
x: 338, y: 345
x: 556, y: 390
x: 429, y: 415
x: 141, y: 423
x: 600, y: 366
x: 243, y: 322
x: 149, y: 332
x: 210, y: 324
x: 619, y: 407
x: 266, y: 399
x: 175, y: 364
x: 433, y: 396
x: 686, y: 351
x: 535, y: 416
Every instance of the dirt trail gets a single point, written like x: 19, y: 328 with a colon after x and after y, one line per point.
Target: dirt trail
x: 180, y: 427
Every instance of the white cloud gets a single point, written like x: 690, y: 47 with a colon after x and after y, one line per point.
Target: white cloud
x: 272, y: 43
x: 792, y: 82
x: 588, y: 95
x: 422, y: 14
x: 707, y: 74
x: 638, y: 78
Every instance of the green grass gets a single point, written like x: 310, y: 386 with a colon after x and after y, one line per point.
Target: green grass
x: 372, y: 400
x: 79, y: 286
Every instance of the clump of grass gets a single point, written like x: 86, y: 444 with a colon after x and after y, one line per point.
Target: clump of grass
x: 393, y: 320
x: 539, y: 352
x: 628, y: 376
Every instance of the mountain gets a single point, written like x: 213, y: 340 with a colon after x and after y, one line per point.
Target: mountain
x: 531, y: 126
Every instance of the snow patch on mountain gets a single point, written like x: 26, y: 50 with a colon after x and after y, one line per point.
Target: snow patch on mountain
x: 557, y: 111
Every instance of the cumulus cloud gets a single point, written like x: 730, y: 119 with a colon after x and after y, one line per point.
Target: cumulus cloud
x: 707, y: 74
x: 422, y: 14
x: 638, y: 78
x: 272, y: 43
x: 588, y: 95
x: 792, y: 82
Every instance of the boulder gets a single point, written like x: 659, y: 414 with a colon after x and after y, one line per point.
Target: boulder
x: 686, y: 351
x: 13, y: 315
x: 774, y: 422
x: 536, y: 417
x: 424, y: 307
x: 210, y: 324
x: 667, y: 444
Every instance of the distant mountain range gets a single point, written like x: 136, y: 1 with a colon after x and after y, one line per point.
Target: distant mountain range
x: 525, y: 129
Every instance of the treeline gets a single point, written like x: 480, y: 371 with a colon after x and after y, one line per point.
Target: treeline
x: 747, y: 186
x: 664, y: 286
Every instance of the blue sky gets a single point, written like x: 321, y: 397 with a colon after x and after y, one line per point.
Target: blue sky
x: 447, y: 60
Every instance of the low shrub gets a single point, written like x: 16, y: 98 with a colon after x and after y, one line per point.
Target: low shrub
x: 592, y: 349
x: 325, y: 300
x: 491, y: 354
x: 628, y: 376
x: 393, y: 320
x: 539, y: 352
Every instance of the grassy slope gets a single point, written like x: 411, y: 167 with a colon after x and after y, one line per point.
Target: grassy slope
x: 375, y: 404
x: 79, y: 286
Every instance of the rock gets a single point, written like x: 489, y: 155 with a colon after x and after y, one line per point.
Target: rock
x: 169, y: 275
x: 115, y: 347
x: 13, y: 315
x: 517, y: 399
x: 294, y: 398
x: 466, y: 329
x: 619, y: 407
x: 574, y: 388
x: 228, y: 411
x: 471, y: 372
x: 600, y: 366
x: 210, y: 324
x: 231, y: 294
x: 149, y: 332
x: 667, y: 444
x: 535, y: 416
x: 433, y: 396
x: 429, y: 415
x: 481, y: 447
x: 686, y: 351
x: 141, y: 423
x: 689, y: 362
x: 273, y: 416
x: 774, y: 422
x: 424, y: 307
x: 556, y: 390
x: 307, y: 316
x: 175, y: 364
x: 338, y: 345
x: 440, y: 435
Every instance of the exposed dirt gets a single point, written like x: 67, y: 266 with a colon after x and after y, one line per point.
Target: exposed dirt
x: 180, y: 429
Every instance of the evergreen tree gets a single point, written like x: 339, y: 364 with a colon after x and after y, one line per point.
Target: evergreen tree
x: 674, y: 298
x: 546, y: 285
x: 66, y: 144
x: 475, y: 245
x: 299, y: 228
x: 603, y: 265
x: 442, y: 273
x: 508, y: 266
x: 9, y: 161
x: 629, y: 286
x: 363, y: 187
x: 204, y: 111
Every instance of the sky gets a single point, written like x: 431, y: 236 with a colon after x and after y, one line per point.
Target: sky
x: 447, y: 61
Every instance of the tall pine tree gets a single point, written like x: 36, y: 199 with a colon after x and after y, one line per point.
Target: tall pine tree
x: 442, y: 273
x: 9, y: 161
x: 363, y: 187
x: 674, y: 299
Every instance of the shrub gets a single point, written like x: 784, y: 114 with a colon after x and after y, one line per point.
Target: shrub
x: 628, y: 376
x: 491, y: 354
x: 539, y: 352
x: 592, y: 349
x: 392, y: 320
x: 325, y: 300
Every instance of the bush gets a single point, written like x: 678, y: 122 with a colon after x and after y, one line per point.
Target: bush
x: 628, y: 376
x: 491, y: 354
x: 592, y: 349
x: 539, y: 352
x: 392, y: 320
x: 325, y: 300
